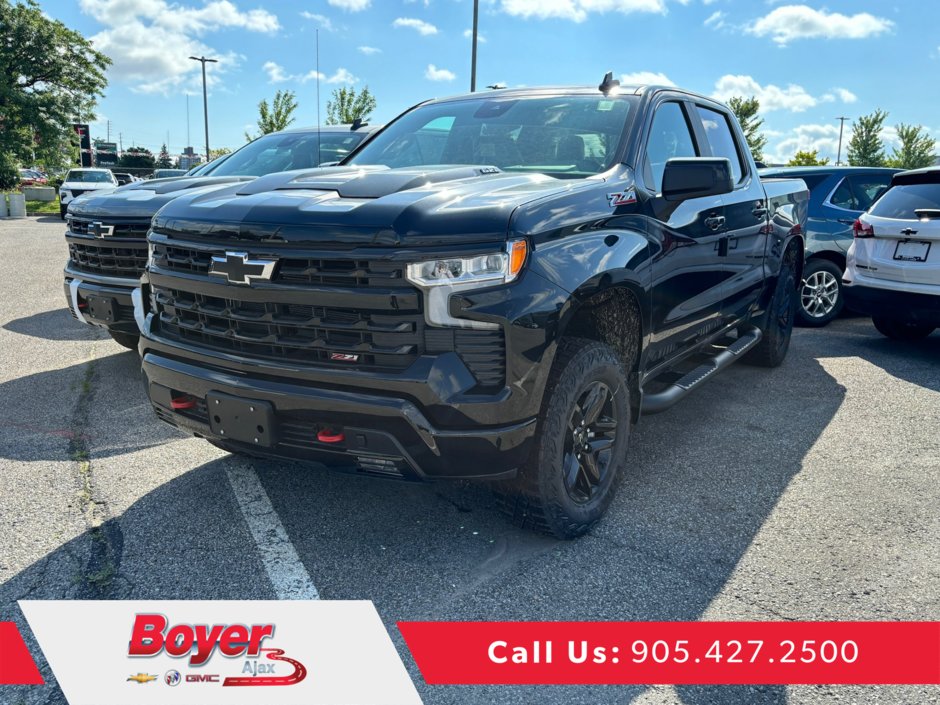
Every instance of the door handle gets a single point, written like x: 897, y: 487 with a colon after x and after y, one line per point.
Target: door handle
x: 847, y: 221
x: 715, y: 222
x: 760, y: 212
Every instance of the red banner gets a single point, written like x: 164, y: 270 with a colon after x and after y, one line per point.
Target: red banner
x: 706, y: 653
x: 16, y: 665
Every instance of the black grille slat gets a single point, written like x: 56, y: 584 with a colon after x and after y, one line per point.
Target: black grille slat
x: 108, y: 260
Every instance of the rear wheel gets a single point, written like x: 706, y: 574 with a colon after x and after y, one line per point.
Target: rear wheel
x: 127, y: 340
x: 777, y: 325
x: 581, y: 443
x: 820, y: 293
x: 901, y: 330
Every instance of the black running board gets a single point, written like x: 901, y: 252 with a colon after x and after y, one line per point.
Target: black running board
x: 660, y: 401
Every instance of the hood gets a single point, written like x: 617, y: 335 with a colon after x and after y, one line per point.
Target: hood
x: 141, y: 199
x: 365, y: 205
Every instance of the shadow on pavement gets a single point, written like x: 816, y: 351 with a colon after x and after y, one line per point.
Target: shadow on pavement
x: 57, y: 324
x: 702, y: 480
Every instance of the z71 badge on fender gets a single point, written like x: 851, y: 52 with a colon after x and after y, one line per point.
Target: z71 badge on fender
x: 622, y: 198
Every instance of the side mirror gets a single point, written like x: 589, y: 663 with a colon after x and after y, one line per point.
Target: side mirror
x: 696, y: 177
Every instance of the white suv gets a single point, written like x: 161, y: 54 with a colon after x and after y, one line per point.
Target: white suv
x: 893, y: 271
x: 79, y: 181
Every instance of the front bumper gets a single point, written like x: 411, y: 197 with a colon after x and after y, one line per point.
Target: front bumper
x: 899, y: 305
x: 382, y: 435
x: 101, y: 301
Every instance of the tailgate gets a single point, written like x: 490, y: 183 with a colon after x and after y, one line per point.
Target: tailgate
x: 902, y: 250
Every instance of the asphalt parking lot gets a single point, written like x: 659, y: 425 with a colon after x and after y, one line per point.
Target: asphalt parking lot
x: 805, y: 493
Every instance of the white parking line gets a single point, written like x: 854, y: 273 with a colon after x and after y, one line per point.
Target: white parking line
x: 278, y: 555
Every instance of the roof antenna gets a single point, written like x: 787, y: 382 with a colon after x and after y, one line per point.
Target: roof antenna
x: 357, y: 123
x: 609, y: 83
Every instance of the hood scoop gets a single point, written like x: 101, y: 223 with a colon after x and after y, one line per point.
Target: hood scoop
x: 366, y: 181
x: 162, y: 186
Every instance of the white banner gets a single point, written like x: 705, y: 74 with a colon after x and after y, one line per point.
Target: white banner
x: 220, y: 652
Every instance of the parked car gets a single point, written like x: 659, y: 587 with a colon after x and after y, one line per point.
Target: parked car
x: 168, y: 173
x: 30, y: 177
x: 493, y: 287
x: 838, y: 196
x: 893, y: 271
x: 81, y: 181
x: 123, y: 177
x: 106, y: 234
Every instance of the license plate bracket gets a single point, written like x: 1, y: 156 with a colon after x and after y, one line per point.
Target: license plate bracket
x: 101, y: 308
x: 912, y: 251
x: 239, y: 419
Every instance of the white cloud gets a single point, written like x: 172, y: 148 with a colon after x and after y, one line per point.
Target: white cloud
x: 420, y: 26
x: 468, y: 33
x: 138, y: 32
x: 369, y: 51
x: 645, y: 78
x: 577, y: 10
x: 351, y: 5
x: 277, y: 74
x: 790, y: 22
x: 342, y: 76
x: 322, y: 20
x: 716, y: 20
x: 845, y: 95
x: 806, y: 138
x: 435, y: 74
x: 793, y: 98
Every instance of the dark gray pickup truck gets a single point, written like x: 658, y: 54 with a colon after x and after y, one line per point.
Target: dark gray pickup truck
x: 495, y: 286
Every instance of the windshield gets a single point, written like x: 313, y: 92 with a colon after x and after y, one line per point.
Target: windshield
x: 90, y: 177
x: 286, y: 151
x: 565, y: 136
x: 901, y: 201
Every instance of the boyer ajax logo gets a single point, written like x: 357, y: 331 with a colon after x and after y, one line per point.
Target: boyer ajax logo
x: 259, y: 663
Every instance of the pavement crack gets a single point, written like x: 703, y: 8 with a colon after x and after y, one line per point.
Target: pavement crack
x: 96, y: 577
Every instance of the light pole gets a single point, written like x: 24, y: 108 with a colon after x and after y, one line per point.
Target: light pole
x: 205, y: 96
x: 473, y: 55
x: 841, y: 125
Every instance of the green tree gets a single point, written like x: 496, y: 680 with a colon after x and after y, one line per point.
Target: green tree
x: 347, y: 106
x: 866, y: 147
x: 916, y: 150
x: 745, y: 110
x: 164, y: 161
x: 220, y: 152
x: 49, y: 75
x: 137, y: 158
x: 277, y: 116
x: 807, y: 159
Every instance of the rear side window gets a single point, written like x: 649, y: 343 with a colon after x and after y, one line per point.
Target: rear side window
x: 867, y: 189
x: 901, y: 201
x: 721, y: 139
x: 843, y: 197
x: 669, y: 137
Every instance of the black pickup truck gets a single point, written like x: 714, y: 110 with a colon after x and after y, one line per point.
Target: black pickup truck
x: 495, y: 286
x: 106, y: 234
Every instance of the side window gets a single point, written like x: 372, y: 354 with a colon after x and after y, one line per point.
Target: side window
x: 843, y: 197
x: 868, y: 188
x: 669, y: 137
x: 721, y: 139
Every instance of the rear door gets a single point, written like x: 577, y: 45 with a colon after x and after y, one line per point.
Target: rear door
x: 903, y: 242
x: 849, y: 198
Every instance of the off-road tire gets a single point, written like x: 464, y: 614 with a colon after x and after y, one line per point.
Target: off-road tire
x: 817, y: 267
x: 901, y: 330
x: 538, y: 499
x: 127, y: 340
x: 777, y: 323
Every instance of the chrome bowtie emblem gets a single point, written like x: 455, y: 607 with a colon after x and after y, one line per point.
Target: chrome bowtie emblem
x: 237, y: 268
x: 99, y: 229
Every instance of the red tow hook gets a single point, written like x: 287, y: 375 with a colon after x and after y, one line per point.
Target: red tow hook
x: 328, y: 435
x: 184, y: 402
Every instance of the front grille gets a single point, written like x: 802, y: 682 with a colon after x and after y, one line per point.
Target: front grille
x: 115, y: 260
x: 482, y: 351
x: 304, y: 333
x: 136, y: 231
x: 292, y: 270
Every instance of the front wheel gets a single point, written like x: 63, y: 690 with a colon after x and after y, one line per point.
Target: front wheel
x: 901, y: 330
x: 127, y: 340
x: 581, y: 443
x: 62, y: 211
x: 820, y: 293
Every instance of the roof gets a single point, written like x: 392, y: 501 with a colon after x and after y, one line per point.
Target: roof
x: 365, y: 128
x: 634, y: 89
x: 90, y: 168
x: 795, y: 170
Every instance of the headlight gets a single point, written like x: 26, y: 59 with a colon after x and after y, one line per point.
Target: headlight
x: 439, y: 278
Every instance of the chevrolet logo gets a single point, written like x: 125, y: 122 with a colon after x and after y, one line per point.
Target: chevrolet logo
x: 142, y: 678
x: 238, y: 269
x: 99, y: 229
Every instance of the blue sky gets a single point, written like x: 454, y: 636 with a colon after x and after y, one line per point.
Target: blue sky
x: 808, y: 62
